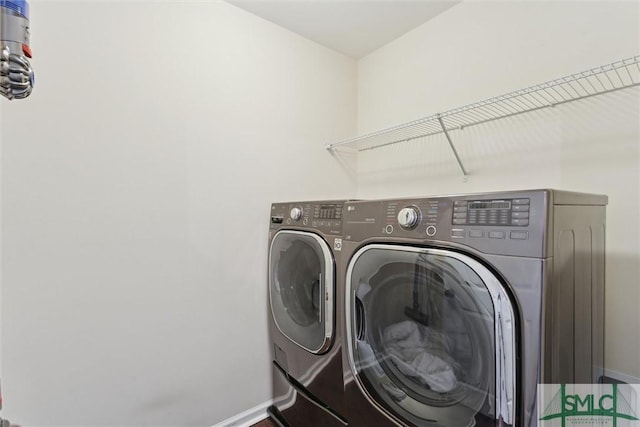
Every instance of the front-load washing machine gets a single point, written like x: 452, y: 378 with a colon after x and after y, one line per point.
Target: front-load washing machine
x: 457, y: 307
x: 305, y: 239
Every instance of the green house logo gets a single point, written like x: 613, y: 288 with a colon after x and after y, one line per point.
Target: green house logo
x: 589, y: 404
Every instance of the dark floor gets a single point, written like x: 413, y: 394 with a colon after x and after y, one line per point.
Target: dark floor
x: 265, y: 423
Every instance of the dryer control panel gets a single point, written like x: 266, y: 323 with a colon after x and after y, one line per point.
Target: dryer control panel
x: 326, y: 216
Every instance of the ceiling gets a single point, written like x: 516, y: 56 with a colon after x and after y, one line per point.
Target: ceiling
x: 353, y: 27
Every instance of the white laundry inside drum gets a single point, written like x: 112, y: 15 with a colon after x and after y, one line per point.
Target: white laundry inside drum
x: 405, y: 342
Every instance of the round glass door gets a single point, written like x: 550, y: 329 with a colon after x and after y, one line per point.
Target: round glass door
x: 301, y: 286
x: 430, y: 336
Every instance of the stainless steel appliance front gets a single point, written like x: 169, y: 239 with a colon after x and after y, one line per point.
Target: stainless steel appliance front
x: 305, y: 329
x: 457, y: 307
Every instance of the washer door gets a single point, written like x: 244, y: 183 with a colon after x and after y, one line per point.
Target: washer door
x: 301, y: 288
x: 430, y: 337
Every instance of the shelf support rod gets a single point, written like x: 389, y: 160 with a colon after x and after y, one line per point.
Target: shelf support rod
x: 455, y: 153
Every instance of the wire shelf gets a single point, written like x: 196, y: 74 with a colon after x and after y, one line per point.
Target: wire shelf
x: 596, y: 81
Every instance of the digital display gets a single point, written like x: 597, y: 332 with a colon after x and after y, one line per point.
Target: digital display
x: 502, y: 212
x: 495, y: 204
x: 327, y: 212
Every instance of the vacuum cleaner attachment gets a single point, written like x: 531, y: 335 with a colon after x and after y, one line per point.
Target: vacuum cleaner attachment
x: 16, y: 75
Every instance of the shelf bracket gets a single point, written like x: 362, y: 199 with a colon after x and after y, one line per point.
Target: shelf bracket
x: 455, y: 153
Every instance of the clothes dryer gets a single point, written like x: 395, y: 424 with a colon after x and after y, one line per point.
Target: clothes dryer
x: 304, y: 241
x: 457, y: 307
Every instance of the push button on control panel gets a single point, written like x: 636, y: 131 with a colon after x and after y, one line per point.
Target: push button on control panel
x: 519, y: 235
x: 520, y: 208
x: 457, y: 233
x: 476, y: 233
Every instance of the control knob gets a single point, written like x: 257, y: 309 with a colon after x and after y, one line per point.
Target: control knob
x: 296, y: 214
x: 409, y: 217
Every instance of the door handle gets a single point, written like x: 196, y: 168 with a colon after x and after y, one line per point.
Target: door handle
x: 360, y: 321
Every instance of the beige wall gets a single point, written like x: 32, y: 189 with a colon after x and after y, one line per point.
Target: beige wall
x: 479, y: 49
x: 136, y: 184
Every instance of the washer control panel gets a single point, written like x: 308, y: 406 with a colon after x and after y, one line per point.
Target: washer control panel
x: 419, y: 215
x: 509, y: 223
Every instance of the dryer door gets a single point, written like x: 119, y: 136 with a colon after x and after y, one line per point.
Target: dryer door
x: 430, y: 337
x: 301, y: 287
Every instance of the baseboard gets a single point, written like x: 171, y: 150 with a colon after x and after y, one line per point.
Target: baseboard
x: 248, y: 417
x: 623, y: 378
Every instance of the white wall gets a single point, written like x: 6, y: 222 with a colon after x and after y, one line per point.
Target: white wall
x: 479, y: 49
x: 136, y: 184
